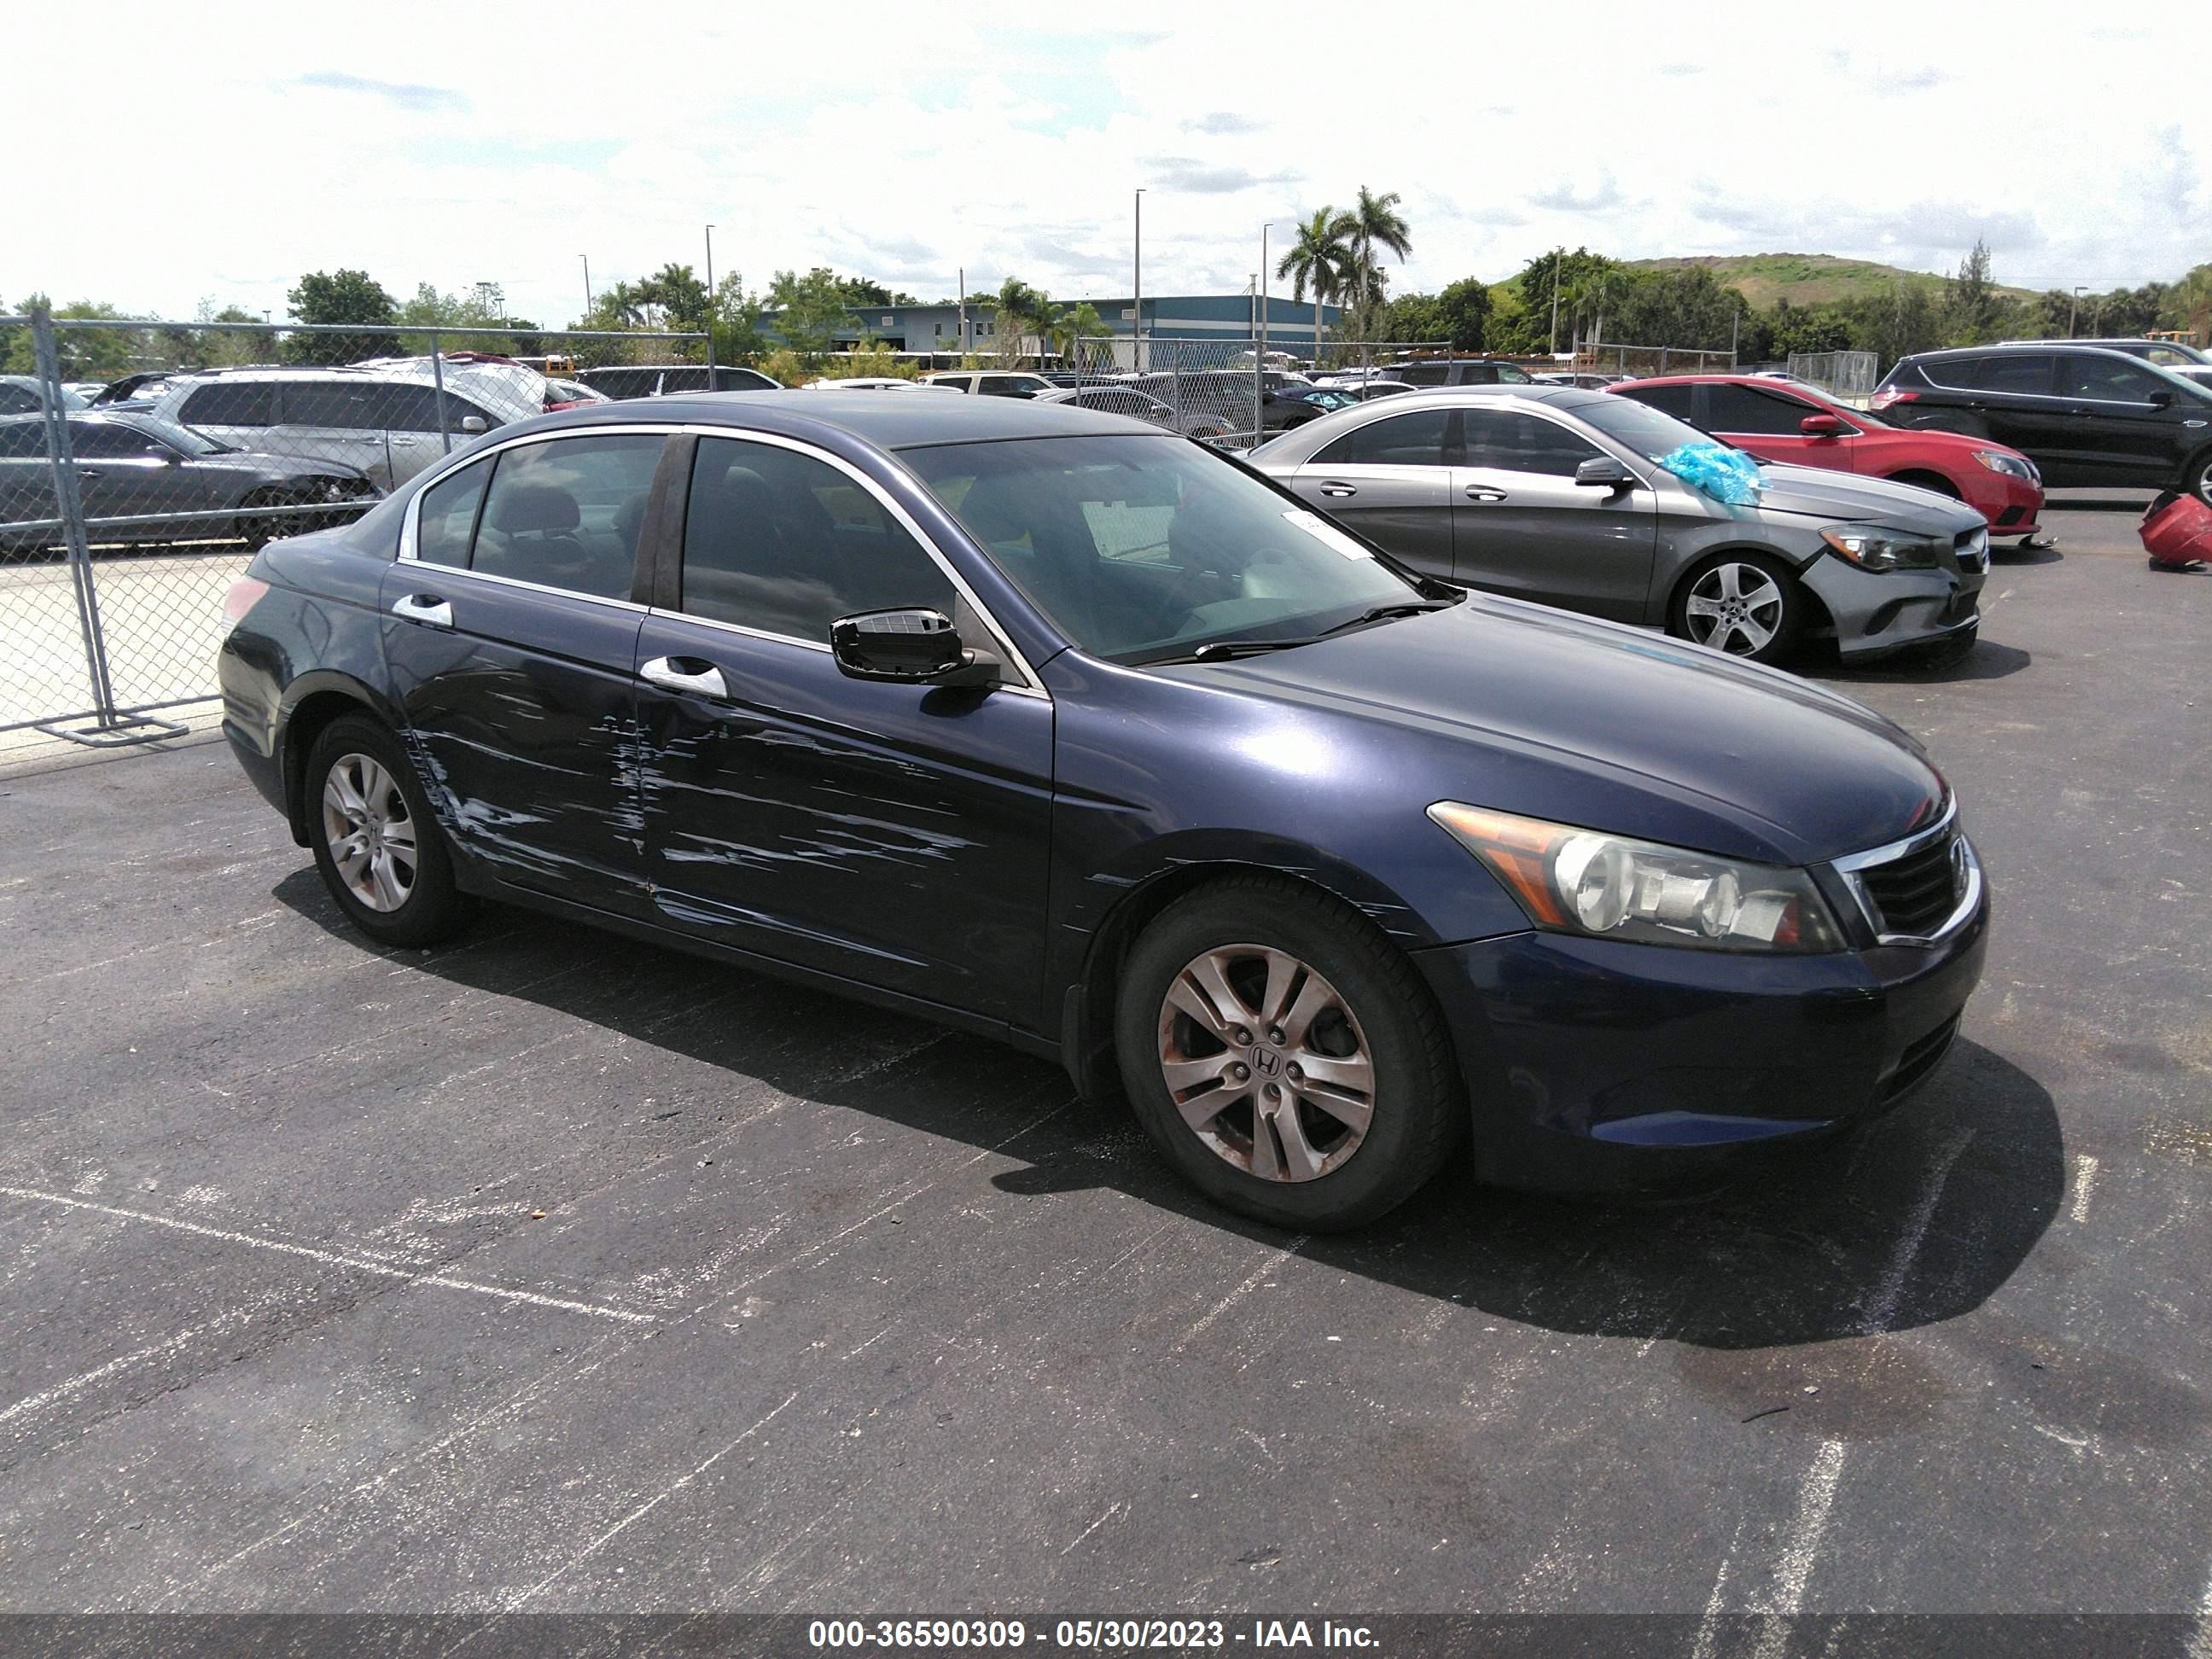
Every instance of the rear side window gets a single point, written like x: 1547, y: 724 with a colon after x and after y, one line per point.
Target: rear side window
x: 230, y: 403
x: 448, y: 516
x: 1416, y: 439
x: 566, y: 512
x: 334, y: 406
x: 2027, y: 375
x: 785, y: 544
x: 1424, y: 373
x: 1747, y: 409
x: 1474, y: 374
x: 1675, y: 399
x: 1517, y: 442
x: 2108, y: 379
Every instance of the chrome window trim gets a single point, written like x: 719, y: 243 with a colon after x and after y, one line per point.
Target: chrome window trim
x: 1029, y: 685
x: 1851, y: 867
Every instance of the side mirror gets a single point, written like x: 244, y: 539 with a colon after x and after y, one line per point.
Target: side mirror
x: 1603, y: 472
x: 2161, y: 398
x: 908, y: 648
x: 1820, y: 426
x: 473, y: 424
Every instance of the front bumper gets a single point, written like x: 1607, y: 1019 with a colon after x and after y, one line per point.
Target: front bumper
x: 1875, y: 612
x: 1596, y: 1065
x: 2014, y: 505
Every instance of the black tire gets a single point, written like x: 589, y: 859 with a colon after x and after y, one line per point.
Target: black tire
x: 263, y: 528
x: 2197, y: 476
x: 1786, y: 629
x: 1935, y: 481
x: 1418, y: 1105
x: 433, y: 906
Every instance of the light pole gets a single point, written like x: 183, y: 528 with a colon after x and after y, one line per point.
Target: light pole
x: 1557, y: 254
x: 2074, y: 310
x: 1136, y: 283
x: 961, y: 277
x: 586, y: 258
x: 710, y: 264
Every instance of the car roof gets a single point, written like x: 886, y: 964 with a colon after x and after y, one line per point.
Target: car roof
x: 1762, y: 382
x: 883, y: 420
x: 2015, y: 348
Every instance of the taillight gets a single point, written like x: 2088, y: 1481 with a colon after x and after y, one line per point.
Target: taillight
x: 1892, y: 394
x: 244, y: 593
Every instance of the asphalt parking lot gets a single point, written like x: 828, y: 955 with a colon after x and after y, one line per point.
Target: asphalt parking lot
x: 549, y: 1272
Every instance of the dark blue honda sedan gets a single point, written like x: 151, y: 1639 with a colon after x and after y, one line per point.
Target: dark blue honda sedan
x: 1057, y: 727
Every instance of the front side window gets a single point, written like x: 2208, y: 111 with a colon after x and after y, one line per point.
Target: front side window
x: 447, y: 517
x: 2109, y: 380
x: 100, y: 438
x: 1417, y: 439
x: 781, y: 542
x: 566, y: 512
x: 1518, y: 442
x: 1139, y: 548
x: 1672, y: 399
x: 1747, y: 408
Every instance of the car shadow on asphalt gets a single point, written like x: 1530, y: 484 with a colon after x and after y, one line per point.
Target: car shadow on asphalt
x: 2015, y: 557
x: 1987, y: 660
x: 1916, y: 1220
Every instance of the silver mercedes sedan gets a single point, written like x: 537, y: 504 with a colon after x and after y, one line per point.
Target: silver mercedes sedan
x: 1561, y: 496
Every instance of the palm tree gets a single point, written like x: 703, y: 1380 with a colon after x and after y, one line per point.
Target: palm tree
x: 1021, y: 310
x: 1075, y: 325
x: 1377, y: 222
x: 1319, y: 259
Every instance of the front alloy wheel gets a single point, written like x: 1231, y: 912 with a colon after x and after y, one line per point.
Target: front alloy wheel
x: 370, y: 833
x: 1266, y: 1063
x: 1736, y: 608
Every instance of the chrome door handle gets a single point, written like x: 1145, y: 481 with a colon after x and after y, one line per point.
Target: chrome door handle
x: 423, y: 608
x: 700, y: 679
x: 1477, y: 493
x: 1338, y: 489
x: 88, y: 472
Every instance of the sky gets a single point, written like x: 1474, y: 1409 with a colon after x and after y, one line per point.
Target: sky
x: 469, y: 143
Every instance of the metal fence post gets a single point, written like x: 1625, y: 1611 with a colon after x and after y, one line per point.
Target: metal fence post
x: 438, y: 378
x: 69, y: 507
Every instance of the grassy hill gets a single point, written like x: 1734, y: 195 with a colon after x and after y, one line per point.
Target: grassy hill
x: 1804, y: 279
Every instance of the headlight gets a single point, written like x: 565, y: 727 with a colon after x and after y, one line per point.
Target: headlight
x: 1580, y: 881
x: 2016, y: 466
x: 1875, y: 548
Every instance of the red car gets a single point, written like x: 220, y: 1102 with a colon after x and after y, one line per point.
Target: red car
x: 1789, y: 421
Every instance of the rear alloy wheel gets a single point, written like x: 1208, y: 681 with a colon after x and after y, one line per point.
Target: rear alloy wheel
x: 380, y: 851
x: 1743, y: 605
x: 1285, y: 1056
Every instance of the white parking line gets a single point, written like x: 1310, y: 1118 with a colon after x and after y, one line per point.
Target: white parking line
x: 2085, y: 1180
x: 335, y: 1259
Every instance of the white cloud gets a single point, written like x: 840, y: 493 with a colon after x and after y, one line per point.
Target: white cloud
x: 453, y: 144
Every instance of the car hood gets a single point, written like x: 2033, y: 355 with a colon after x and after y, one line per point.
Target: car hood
x: 1834, y: 497
x: 1531, y: 710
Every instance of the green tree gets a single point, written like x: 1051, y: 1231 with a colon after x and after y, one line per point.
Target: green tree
x: 737, y: 323
x: 1377, y: 222
x: 1319, y: 259
x: 1464, y: 309
x: 82, y: 354
x: 1414, y: 319
x: 1530, y: 329
x: 342, y: 296
x: 1970, y: 300
x: 810, y: 309
x: 2188, y: 303
x: 673, y: 298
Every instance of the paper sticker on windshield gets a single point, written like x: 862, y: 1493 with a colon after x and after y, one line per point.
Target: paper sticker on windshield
x: 1326, y: 533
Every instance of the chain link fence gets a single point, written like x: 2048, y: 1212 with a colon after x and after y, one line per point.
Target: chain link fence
x: 1848, y: 375
x: 142, y: 465
x: 1641, y: 362
x: 1232, y: 393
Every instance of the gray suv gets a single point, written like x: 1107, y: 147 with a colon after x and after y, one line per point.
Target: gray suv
x: 1556, y: 494
x: 383, y: 426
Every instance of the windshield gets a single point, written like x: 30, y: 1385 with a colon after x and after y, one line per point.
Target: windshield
x: 1142, y: 548
x: 1651, y: 433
